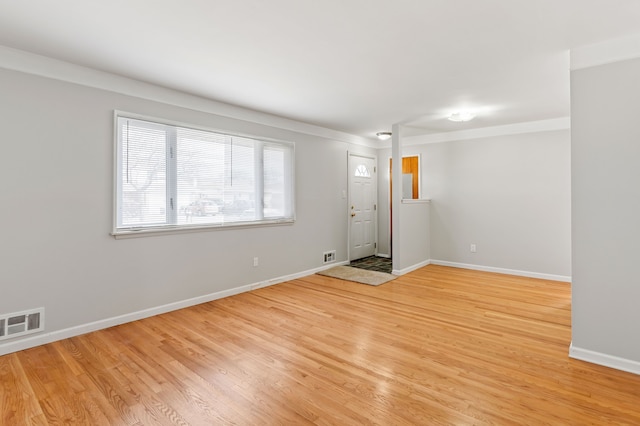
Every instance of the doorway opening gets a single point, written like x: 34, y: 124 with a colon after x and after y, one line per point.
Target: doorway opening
x: 410, y: 178
x: 363, y: 200
x: 410, y: 186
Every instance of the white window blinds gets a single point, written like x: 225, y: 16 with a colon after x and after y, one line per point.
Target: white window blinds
x: 170, y: 176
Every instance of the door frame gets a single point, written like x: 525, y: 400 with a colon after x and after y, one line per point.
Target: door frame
x: 348, y: 203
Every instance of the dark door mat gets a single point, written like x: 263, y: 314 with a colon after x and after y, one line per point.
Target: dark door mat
x: 373, y: 263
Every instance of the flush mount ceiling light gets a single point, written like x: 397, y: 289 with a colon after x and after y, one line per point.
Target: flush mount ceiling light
x: 462, y: 116
x: 383, y: 136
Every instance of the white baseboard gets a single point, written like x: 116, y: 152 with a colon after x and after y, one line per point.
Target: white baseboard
x: 410, y: 268
x: 528, y: 274
x: 44, y: 338
x: 599, y: 358
x: 297, y: 275
x: 383, y: 255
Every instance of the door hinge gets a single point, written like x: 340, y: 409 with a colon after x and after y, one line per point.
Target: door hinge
x: 374, y: 169
x: 375, y: 207
x: 171, y: 203
x: 375, y: 245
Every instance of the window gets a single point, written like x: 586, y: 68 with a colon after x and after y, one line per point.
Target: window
x: 170, y: 177
x: 362, y: 171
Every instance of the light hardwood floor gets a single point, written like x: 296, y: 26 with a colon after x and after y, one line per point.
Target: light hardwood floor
x: 436, y: 346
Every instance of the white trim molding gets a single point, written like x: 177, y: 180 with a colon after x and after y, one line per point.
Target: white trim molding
x: 415, y: 201
x: 410, y: 268
x: 606, y: 52
x: 516, y: 272
x: 44, y: 338
x: 606, y: 360
x: 563, y: 123
x: 43, y: 66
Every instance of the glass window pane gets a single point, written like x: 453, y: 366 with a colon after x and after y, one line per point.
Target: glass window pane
x: 274, y: 181
x: 362, y: 171
x: 143, y: 166
x: 240, y: 181
x: 200, y: 176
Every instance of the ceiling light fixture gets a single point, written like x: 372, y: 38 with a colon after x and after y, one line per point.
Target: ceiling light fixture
x: 462, y: 116
x: 383, y: 136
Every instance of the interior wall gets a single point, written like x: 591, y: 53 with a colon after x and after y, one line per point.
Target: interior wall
x: 414, y: 244
x: 57, y: 197
x: 508, y: 195
x: 606, y: 211
x: 384, y: 203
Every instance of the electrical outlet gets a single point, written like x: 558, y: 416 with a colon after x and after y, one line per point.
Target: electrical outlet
x: 472, y: 248
x: 255, y: 261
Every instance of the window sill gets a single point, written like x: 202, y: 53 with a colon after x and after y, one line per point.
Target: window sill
x: 187, y: 229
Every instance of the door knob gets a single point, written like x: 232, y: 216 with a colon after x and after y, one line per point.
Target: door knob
x: 353, y: 214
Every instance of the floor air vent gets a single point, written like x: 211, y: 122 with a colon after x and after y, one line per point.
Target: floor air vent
x: 21, y: 323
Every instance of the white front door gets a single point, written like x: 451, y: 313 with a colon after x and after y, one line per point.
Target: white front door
x: 362, y: 211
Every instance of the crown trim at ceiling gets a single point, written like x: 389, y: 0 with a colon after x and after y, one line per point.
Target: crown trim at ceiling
x: 44, y: 66
x: 606, y: 52
x: 554, y: 124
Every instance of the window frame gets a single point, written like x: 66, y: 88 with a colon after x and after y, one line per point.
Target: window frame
x: 175, y: 228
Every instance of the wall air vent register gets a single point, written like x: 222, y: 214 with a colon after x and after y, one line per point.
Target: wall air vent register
x: 21, y: 323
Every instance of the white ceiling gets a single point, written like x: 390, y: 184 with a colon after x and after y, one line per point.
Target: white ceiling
x: 358, y: 66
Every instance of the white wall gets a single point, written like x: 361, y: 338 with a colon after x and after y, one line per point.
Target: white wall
x: 384, y: 202
x: 509, y: 195
x: 414, y: 249
x: 56, y: 212
x: 606, y: 214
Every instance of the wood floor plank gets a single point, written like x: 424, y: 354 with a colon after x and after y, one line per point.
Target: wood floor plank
x: 13, y: 381
x: 438, y: 346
